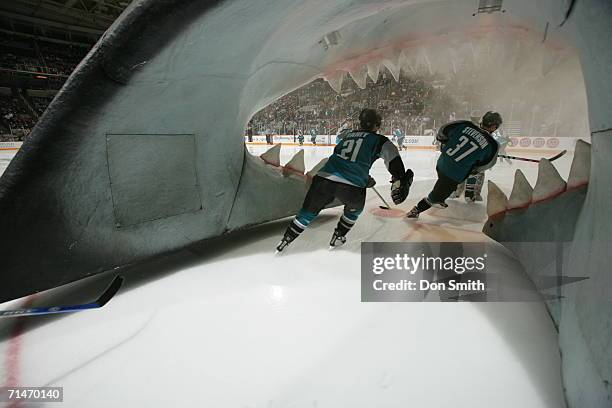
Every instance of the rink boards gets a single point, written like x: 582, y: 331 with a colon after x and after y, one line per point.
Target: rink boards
x: 10, y: 145
x: 532, y: 144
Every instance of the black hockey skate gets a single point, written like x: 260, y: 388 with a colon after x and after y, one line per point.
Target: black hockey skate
x: 414, y: 213
x: 291, y: 233
x: 287, y: 239
x: 337, y: 240
x: 439, y: 206
x: 282, y: 244
x: 472, y: 197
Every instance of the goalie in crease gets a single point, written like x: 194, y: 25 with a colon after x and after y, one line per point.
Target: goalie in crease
x: 345, y: 178
x: 466, y: 149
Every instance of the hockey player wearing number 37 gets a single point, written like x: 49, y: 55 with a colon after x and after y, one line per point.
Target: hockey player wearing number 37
x: 465, y: 148
x: 345, y: 177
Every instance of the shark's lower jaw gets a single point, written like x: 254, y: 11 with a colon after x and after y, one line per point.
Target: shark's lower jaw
x: 544, y: 214
x: 171, y: 86
x: 541, y: 226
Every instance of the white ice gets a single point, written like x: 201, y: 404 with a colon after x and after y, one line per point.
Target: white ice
x: 5, y: 158
x: 229, y: 324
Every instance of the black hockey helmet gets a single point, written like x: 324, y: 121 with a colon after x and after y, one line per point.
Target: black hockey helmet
x: 369, y: 118
x: 491, y: 119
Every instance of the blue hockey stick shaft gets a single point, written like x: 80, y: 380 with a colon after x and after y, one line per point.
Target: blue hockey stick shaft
x: 107, y: 295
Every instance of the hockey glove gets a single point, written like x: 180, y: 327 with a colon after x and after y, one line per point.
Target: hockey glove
x: 401, y: 187
x: 371, y: 182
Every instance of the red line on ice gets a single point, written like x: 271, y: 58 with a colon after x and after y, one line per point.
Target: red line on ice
x: 13, y: 350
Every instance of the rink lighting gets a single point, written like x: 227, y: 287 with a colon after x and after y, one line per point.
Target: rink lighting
x: 330, y: 39
x: 489, y: 6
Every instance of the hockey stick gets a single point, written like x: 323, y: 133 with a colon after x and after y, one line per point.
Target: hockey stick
x: 555, y: 157
x: 107, y: 295
x: 386, y: 206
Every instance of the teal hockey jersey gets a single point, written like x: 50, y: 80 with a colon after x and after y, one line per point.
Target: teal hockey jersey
x: 354, y: 155
x: 466, y: 148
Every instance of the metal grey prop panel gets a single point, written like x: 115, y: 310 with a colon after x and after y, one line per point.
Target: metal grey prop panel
x: 152, y: 176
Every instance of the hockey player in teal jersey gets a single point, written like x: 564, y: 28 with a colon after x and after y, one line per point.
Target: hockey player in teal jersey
x: 345, y: 177
x: 399, y: 138
x: 466, y: 148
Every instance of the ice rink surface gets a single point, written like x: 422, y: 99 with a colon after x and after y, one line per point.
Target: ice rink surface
x: 226, y: 323
x: 5, y: 158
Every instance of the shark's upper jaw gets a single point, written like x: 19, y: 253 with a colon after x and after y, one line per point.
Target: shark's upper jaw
x: 357, y: 43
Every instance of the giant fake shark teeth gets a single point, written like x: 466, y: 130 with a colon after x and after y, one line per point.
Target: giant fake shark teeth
x: 438, y: 56
x: 295, y: 165
x: 581, y: 165
x: 497, y: 202
x: 373, y: 70
x: 522, y: 192
x: 335, y: 80
x: 360, y: 76
x: 549, y: 183
x: 392, y: 62
x: 272, y: 155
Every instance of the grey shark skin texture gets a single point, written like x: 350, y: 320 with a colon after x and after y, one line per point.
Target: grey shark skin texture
x: 171, y: 86
x: 68, y: 201
x: 543, y: 234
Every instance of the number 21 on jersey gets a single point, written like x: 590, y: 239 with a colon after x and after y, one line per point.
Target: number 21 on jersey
x: 350, y: 149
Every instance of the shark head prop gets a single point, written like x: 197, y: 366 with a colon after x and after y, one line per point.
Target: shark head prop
x: 142, y: 152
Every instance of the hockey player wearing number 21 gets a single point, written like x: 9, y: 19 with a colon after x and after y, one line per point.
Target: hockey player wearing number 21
x: 466, y: 148
x: 345, y: 177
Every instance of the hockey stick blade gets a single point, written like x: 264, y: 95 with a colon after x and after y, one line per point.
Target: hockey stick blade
x: 384, y: 207
x: 104, y: 298
x: 555, y: 157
